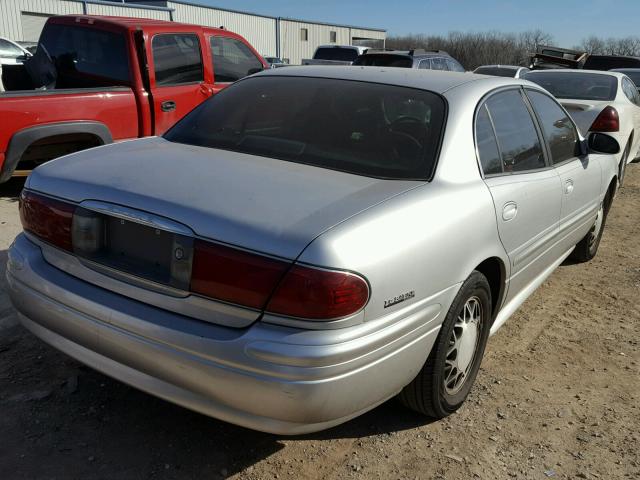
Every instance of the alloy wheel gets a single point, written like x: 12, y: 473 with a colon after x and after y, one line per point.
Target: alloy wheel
x: 463, y: 345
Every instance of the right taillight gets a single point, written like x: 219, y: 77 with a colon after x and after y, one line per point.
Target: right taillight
x: 47, y: 218
x: 607, y: 120
x: 319, y: 294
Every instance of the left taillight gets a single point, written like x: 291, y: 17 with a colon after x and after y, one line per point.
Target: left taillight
x: 47, y: 218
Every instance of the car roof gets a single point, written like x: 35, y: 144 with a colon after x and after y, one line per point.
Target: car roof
x: 437, y: 81
x: 510, y: 67
x: 622, y: 70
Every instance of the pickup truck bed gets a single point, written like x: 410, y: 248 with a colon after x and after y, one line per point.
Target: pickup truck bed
x: 96, y: 80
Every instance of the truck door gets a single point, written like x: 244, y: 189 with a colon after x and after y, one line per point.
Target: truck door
x: 178, y: 82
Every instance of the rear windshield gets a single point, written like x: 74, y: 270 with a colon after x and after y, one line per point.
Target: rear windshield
x: 337, y: 53
x: 578, y: 86
x: 86, y: 56
x: 497, y: 71
x: 384, y: 60
x: 363, y: 128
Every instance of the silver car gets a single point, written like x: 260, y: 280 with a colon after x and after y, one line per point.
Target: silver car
x: 311, y: 242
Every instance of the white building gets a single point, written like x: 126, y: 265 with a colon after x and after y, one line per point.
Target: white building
x: 287, y: 38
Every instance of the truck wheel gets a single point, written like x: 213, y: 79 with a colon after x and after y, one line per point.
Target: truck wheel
x: 447, y: 376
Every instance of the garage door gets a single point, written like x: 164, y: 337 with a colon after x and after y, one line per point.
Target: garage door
x: 32, y: 25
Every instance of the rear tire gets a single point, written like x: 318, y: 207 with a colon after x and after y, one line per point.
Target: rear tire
x: 587, y: 248
x: 447, y: 376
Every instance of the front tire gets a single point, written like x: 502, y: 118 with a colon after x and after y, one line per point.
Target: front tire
x: 447, y: 376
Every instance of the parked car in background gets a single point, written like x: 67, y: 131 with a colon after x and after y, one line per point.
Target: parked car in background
x: 512, y: 71
x: 632, y: 73
x: 351, y: 239
x: 31, y: 47
x: 598, y: 102
x: 334, y: 55
x: 415, y: 58
x: 609, y: 62
x: 275, y: 62
x: 11, y: 53
x: 94, y: 87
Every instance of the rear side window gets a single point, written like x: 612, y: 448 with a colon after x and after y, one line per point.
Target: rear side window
x: 517, y: 136
x: 630, y: 91
x: 454, y: 66
x: 176, y: 59
x: 232, y: 59
x: 558, y: 129
x: 86, y: 57
x: 438, y: 64
x: 486, y: 142
x: 363, y: 128
x: 425, y: 64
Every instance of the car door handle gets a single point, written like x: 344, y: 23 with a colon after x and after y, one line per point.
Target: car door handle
x: 168, y: 106
x: 509, y: 211
x: 568, y: 187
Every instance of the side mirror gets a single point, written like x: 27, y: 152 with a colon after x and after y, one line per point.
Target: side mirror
x: 603, y: 143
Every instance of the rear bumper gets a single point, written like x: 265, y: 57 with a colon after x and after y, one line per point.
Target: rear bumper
x: 264, y: 377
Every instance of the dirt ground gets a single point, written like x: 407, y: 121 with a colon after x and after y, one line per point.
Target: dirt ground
x: 558, y: 396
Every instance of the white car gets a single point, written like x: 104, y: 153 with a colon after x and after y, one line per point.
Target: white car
x: 512, y: 71
x: 598, y: 101
x: 11, y: 53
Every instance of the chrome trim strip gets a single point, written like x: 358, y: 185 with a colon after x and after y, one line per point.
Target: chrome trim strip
x: 137, y: 216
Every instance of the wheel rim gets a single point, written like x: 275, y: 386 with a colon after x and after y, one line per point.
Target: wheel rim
x: 463, y: 345
x: 597, y: 226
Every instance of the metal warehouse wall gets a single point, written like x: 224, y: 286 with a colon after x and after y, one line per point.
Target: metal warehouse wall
x: 126, y: 11
x: 23, y: 20
x: 258, y: 30
x: 295, y: 49
x: 11, y: 13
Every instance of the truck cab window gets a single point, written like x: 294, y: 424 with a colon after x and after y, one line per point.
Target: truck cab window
x: 232, y: 59
x: 176, y: 59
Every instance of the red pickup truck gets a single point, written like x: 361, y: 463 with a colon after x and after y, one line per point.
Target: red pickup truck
x: 96, y: 80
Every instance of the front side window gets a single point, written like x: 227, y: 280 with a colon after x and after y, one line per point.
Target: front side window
x: 516, y: 133
x: 86, y: 57
x: 176, y: 59
x: 362, y: 128
x: 558, y: 129
x: 486, y: 143
x: 8, y: 49
x: 232, y: 59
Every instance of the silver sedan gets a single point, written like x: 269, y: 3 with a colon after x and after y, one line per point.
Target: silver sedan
x: 311, y: 242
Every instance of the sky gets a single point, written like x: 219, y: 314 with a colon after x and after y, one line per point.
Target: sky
x: 569, y: 21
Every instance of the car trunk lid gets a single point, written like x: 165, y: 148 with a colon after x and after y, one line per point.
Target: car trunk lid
x: 583, y: 112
